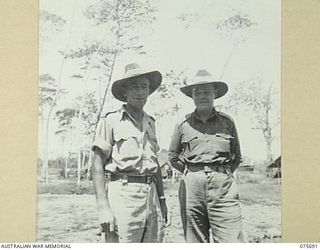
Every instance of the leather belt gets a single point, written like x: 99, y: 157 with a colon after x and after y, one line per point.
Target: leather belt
x: 126, y: 178
x: 208, y: 167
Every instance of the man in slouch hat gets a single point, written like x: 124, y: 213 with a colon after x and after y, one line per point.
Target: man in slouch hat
x: 205, y: 147
x: 126, y: 174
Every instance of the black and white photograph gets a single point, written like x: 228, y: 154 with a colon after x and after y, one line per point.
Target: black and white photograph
x: 159, y: 121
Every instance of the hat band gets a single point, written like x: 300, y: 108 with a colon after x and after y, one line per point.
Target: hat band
x: 204, y: 79
x: 133, y: 72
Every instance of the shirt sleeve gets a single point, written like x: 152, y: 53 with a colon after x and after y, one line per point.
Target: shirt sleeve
x: 103, y: 138
x: 157, y: 147
x: 235, y: 148
x: 175, y: 149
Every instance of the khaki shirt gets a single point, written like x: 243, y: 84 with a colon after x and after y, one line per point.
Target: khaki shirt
x: 214, y: 141
x: 127, y: 149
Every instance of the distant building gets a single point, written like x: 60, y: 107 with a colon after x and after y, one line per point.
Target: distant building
x: 245, y: 171
x: 167, y: 171
x: 274, y: 169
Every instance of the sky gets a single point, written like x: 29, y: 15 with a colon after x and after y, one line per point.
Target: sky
x: 172, y: 47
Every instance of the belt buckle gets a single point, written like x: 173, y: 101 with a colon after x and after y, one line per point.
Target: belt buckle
x: 149, y: 179
x: 124, y: 179
x: 221, y: 169
x: 108, y: 176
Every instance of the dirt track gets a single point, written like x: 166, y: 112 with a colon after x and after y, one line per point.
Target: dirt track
x: 73, y: 218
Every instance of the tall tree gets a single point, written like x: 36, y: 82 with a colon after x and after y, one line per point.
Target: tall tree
x: 50, y: 26
x: 234, y: 29
x: 165, y: 104
x: 86, y: 127
x: 117, y: 20
x: 48, y: 96
x: 259, y: 99
x: 66, y: 125
x: 47, y: 21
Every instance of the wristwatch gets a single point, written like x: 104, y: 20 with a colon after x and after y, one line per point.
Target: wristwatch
x: 162, y: 197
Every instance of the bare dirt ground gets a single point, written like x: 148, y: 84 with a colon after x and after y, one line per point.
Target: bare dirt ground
x: 73, y: 217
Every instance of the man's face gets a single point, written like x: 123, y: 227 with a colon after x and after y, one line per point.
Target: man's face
x: 203, y: 97
x: 137, y: 92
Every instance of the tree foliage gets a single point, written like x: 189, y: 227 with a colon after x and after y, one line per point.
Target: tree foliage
x: 89, y: 114
x: 258, y: 98
x: 165, y: 101
x: 49, y: 26
x: 65, y: 120
x: 48, y: 89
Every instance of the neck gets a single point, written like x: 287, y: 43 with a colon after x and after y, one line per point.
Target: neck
x: 204, y: 114
x: 135, y: 112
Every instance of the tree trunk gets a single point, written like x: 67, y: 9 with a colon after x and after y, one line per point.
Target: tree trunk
x: 89, y: 164
x: 112, y: 65
x: 83, y: 156
x: 46, y: 158
x: 46, y: 165
x: 268, y: 132
x: 106, y: 91
x: 269, y: 151
x: 42, y: 173
x: 66, y: 168
x: 79, y: 148
x: 228, y: 59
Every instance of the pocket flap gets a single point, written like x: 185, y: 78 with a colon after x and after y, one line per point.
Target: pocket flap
x: 225, y: 136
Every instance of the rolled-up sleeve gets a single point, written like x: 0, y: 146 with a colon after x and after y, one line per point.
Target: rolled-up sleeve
x: 103, y: 138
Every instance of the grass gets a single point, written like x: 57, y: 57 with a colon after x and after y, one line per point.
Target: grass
x: 260, y: 200
x: 266, y: 191
x: 261, y: 191
x: 65, y: 187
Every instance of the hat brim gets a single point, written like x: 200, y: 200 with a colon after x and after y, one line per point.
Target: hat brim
x: 118, y: 87
x: 220, y: 88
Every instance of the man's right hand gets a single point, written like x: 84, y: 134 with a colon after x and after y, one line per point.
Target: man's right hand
x: 106, y: 216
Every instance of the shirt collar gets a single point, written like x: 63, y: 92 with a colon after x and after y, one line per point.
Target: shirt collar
x: 212, y: 115
x: 124, y: 113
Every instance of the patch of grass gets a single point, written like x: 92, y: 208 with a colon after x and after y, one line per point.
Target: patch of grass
x: 66, y: 187
x: 265, y: 192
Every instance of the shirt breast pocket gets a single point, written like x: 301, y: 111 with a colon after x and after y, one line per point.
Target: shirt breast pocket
x: 221, y: 142
x: 189, y: 142
x: 125, y: 143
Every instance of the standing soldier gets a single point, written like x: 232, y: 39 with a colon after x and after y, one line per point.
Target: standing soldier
x: 205, y: 147
x: 126, y: 175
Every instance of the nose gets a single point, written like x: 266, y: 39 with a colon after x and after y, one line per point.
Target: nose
x: 141, y: 91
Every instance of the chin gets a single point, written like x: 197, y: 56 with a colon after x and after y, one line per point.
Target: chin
x: 140, y: 105
x: 203, y: 107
